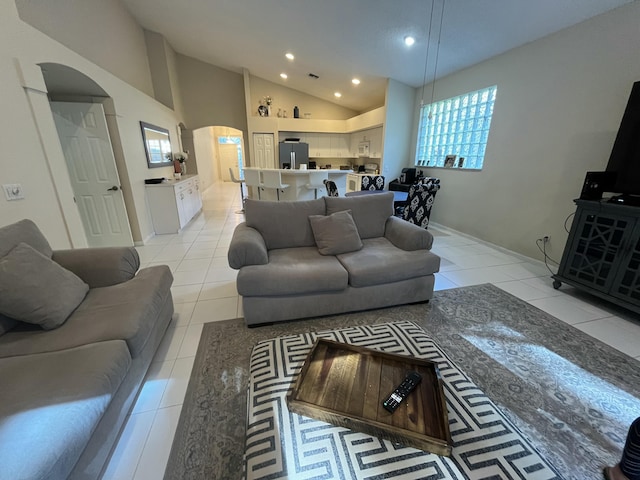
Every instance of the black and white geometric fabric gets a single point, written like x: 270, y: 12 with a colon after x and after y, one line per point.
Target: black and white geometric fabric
x: 372, y: 182
x: 331, y: 187
x: 281, y: 444
x: 420, y: 201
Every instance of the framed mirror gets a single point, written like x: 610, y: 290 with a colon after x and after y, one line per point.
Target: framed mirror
x: 157, y: 145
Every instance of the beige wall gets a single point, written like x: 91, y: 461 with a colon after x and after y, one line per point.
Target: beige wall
x: 210, y: 95
x: 102, y: 31
x: 286, y: 98
x: 559, y: 105
x: 32, y: 155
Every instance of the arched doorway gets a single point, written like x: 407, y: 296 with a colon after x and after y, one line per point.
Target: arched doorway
x: 217, y: 149
x: 80, y: 109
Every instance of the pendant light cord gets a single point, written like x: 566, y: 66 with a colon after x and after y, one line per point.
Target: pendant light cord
x: 435, y: 69
x: 426, y: 60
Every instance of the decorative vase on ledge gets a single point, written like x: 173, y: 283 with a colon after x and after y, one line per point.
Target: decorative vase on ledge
x: 183, y: 168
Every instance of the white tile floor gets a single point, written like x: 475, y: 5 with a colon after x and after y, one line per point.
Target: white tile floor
x: 204, y: 291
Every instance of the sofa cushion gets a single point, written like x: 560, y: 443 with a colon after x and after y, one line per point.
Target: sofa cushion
x: 380, y: 261
x: 23, y: 231
x: 6, y: 324
x: 335, y: 233
x: 370, y: 212
x: 127, y: 311
x: 293, y: 271
x: 35, y: 289
x: 51, y: 404
x: 284, y: 224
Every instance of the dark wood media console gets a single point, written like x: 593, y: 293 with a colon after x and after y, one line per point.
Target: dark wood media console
x: 602, y: 254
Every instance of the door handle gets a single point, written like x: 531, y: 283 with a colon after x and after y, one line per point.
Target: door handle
x: 112, y: 189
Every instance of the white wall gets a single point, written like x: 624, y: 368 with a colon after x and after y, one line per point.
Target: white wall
x: 559, y: 105
x: 102, y: 31
x: 204, y: 141
x: 32, y: 155
x: 397, y: 142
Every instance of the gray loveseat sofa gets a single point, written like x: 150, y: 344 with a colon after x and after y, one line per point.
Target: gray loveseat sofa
x: 284, y: 276
x: 66, y: 388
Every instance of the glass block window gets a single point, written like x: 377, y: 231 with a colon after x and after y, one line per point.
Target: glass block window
x: 453, y: 132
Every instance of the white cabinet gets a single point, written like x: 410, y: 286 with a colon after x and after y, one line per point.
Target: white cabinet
x: 174, y: 203
x: 328, y: 145
x: 340, y: 146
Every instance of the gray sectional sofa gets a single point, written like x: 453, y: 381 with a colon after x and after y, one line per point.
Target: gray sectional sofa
x: 69, y: 377
x: 303, y: 259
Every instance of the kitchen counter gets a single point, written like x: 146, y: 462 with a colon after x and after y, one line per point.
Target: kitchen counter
x: 297, y: 181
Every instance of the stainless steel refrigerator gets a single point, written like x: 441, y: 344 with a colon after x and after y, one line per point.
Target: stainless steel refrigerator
x: 292, y: 154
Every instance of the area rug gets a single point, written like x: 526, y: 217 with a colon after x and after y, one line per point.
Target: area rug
x: 281, y: 444
x: 571, y: 395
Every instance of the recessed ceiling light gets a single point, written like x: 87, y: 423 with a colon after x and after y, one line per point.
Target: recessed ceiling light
x: 409, y: 40
x: 338, y: 94
x: 289, y: 56
x: 355, y: 81
x: 284, y: 76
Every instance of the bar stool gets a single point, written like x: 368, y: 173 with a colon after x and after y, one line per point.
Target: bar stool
x: 252, y: 179
x: 240, y: 181
x: 316, y: 181
x: 273, y: 179
x: 332, y: 188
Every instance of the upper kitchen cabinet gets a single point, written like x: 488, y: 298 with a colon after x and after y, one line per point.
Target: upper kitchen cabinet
x: 373, y: 137
x: 324, y: 145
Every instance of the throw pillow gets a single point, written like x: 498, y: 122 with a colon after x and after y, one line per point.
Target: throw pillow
x: 35, y: 289
x: 336, y: 233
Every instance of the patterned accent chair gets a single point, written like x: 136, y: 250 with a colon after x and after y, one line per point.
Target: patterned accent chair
x: 372, y: 182
x: 420, y: 201
x: 331, y: 188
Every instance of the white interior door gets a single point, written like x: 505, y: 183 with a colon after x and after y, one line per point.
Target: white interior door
x: 228, y: 159
x: 263, y: 150
x: 83, y: 133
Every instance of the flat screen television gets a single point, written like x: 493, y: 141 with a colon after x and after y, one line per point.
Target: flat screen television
x: 625, y: 155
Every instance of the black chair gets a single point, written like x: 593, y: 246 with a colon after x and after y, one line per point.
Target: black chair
x: 407, y: 178
x: 372, y: 182
x: 331, y: 187
x: 420, y: 201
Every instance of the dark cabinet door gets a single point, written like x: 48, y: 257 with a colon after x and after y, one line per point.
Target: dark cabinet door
x: 626, y: 284
x: 598, y: 244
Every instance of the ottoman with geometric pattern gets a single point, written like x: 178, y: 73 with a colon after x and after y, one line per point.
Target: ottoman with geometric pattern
x: 281, y: 444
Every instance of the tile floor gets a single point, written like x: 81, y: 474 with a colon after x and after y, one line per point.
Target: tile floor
x: 204, y: 291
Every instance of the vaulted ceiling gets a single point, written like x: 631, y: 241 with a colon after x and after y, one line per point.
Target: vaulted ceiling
x: 338, y: 40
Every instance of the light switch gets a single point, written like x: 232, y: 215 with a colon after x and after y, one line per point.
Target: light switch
x: 13, y: 191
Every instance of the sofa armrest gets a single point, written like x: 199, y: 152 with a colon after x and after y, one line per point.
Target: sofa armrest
x: 406, y: 235
x: 247, y: 247
x: 100, y: 267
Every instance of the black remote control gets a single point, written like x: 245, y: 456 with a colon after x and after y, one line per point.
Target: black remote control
x: 410, y: 382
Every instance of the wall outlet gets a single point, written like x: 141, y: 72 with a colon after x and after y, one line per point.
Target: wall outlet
x: 13, y: 191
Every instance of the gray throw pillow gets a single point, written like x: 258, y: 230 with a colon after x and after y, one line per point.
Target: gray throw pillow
x: 336, y: 233
x: 35, y: 289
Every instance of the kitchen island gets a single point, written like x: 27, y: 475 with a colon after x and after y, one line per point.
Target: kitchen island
x: 298, y: 181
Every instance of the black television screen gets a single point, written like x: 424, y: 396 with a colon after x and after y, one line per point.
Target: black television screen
x: 625, y: 155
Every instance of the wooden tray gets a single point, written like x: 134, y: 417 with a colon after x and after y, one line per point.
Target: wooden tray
x: 345, y: 385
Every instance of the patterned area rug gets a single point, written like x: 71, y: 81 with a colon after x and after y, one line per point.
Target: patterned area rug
x: 571, y: 395
x: 281, y: 444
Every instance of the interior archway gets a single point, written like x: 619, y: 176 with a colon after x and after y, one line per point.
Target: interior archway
x: 218, y: 148
x: 66, y: 84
